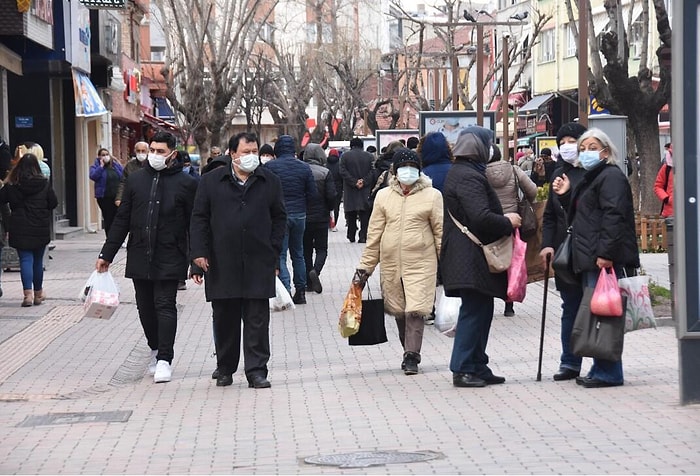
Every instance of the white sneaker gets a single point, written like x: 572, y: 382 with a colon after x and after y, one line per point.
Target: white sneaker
x: 153, y: 362
x: 163, y: 372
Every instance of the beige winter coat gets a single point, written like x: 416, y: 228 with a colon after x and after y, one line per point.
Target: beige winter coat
x: 500, y: 176
x: 405, y: 233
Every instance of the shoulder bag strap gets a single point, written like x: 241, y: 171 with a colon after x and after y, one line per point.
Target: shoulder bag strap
x: 518, y: 193
x: 465, y: 230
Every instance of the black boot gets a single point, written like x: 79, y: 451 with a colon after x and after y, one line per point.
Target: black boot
x: 299, y: 297
x: 411, y: 361
x: 509, y: 311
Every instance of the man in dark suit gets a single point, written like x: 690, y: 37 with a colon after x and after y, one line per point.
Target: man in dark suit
x: 238, y: 224
x: 356, y: 170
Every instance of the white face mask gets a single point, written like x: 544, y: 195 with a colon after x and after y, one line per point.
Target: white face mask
x: 106, y: 158
x: 157, y: 161
x: 407, y: 175
x: 569, y: 153
x: 490, y: 153
x: 265, y: 159
x: 249, y: 162
x: 141, y: 157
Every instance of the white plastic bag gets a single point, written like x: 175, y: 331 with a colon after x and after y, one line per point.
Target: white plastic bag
x: 282, y: 300
x: 446, y: 312
x: 101, y: 295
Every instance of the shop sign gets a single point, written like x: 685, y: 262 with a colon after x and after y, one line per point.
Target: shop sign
x: 94, y: 4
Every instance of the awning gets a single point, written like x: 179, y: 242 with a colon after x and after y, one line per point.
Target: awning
x: 535, y: 103
x: 87, y: 102
x: 525, y: 140
x: 160, y: 123
x: 10, y: 60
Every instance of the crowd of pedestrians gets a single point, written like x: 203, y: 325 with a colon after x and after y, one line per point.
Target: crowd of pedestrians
x: 418, y: 208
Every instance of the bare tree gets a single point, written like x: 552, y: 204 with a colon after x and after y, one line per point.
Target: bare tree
x: 208, y: 50
x: 634, y: 96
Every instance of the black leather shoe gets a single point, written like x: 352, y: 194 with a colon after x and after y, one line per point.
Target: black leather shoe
x: 215, y: 374
x: 566, y: 374
x: 467, y: 380
x: 299, y: 297
x: 493, y: 379
x: 595, y: 383
x: 315, y: 282
x: 224, y: 380
x: 258, y: 381
x: 579, y: 380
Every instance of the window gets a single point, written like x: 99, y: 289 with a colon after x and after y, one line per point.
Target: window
x: 571, y: 43
x: 636, y: 39
x: 311, y: 29
x: 158, y: 53
x: 547, y: 46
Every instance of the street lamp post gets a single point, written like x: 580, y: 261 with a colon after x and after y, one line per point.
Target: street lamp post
x: 583, y: 62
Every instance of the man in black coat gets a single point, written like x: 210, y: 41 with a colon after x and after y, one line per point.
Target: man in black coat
x: 155, y: 212
x: 356, y: 170
x: 238, y: 224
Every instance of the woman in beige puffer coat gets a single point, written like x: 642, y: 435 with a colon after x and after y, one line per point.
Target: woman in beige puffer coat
x: 405, y: 233
x: 501, y: 176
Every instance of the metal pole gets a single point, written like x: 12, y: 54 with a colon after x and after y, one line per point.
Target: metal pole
x: 583, y: 62
x: 455, y: 81
x: 504, y: 100
x: 479, y: 74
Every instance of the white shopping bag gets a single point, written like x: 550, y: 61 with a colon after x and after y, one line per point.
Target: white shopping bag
x: 101, y: 295
x: 446, y: 312
x: 282, y: 300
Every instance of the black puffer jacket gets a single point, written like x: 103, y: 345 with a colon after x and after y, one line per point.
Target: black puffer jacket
x: 319, y: 210
x: 602, y: 216
x: 155, y: 213
x: 473, y: 202
x: 31, y: 202
x: 554, y: 221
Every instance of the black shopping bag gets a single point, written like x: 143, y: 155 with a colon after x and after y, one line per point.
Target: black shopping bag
x: 372, y: 330
x: 597, y: 336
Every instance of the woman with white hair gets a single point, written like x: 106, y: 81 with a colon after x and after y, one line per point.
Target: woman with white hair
x: 601, y: 214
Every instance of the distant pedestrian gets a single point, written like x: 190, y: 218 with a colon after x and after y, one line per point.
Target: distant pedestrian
x: 5, y: 159
x: 358, y: 178
x: 333, y: 165
x: 155, y: 213
x: 436, y: 155
x: 473, y: 203
x: 663, y: 186
x: 299, y: 190
x: 267, y: 153
x: 106, y: 173
x: 238, y: 225
x: 31, y: 199
x: 404, y: 238
x: 136, y: 163
x: 502, y: 178
x: 317, y: 213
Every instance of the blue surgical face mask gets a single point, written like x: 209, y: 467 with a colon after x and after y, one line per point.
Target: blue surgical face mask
x: 186, y: 169
x: 589, y: 158
x: 407, y: 175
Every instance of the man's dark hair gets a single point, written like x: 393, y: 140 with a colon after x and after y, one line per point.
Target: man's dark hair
x: 667, y: 145
x: 412, y: 142
x: 165, y: 137
x: 235, y: 140
x: 356, y: 143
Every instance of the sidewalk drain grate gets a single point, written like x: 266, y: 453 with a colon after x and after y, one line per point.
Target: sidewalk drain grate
x: 365, y: 459
x: 70, y: 418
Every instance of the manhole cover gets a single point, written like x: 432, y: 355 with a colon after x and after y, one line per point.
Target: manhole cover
x: 364, y: 459
x: 70, y: 418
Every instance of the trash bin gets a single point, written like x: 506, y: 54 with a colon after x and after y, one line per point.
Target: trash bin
x: 671, y: 262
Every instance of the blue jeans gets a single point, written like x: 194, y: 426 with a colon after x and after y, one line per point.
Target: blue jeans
x: 605, y: 370
x: 473, y: 326
x: 571, y: 300
x: 31, y: 268
x: 294, y: 242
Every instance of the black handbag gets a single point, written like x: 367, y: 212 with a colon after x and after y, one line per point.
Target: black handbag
x: 561, y: 263
x: 372, y: 330
x: 528, y: 223
x: 596, y: 336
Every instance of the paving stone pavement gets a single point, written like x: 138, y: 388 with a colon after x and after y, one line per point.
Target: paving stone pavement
x: 326, y: 398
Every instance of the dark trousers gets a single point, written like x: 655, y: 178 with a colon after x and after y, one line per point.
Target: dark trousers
x: 336, y: 209
x: 315, y: 238
x: 156, y: 302
x: 255, y: 316
x: 109, y: 211
x: 571, y: 295
x: 351, y: 221
x: 473, y: 326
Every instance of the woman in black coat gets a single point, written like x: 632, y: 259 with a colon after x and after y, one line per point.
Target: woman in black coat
x: 31, y: 199
x: 471, y: 201
x: 601, y: 214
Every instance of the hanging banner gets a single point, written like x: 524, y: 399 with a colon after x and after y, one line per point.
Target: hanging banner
x: 87, y: 101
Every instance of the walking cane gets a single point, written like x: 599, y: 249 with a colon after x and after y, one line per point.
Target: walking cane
x: 548, y: 259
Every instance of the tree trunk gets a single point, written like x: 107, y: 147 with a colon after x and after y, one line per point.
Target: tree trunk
x: 646, y: 132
